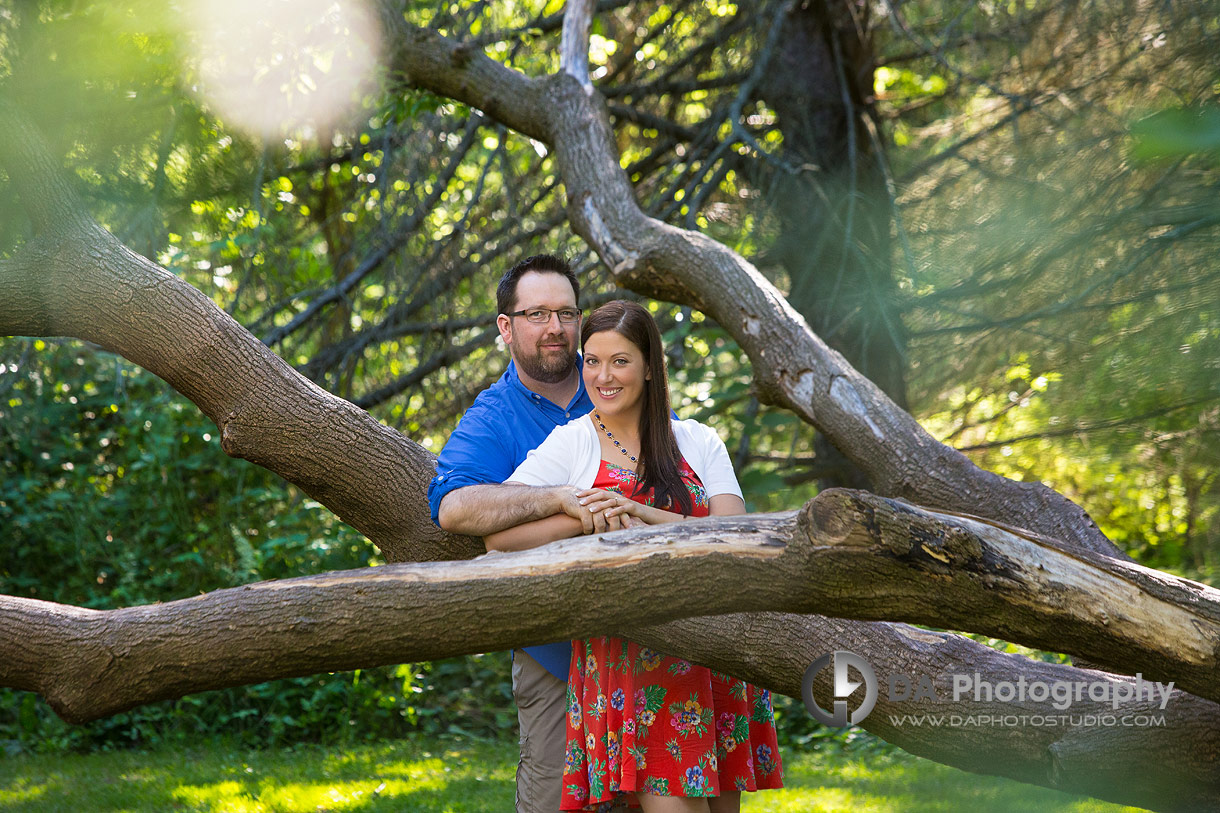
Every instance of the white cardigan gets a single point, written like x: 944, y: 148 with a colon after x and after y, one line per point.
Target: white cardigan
x: 571, y: 455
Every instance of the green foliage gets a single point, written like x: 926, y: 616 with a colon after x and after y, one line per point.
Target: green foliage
x: 1177, y: 133
x: 460, y: 697
x: 116, y: 493
x: 1063, y: 297
x: 1149, y: 482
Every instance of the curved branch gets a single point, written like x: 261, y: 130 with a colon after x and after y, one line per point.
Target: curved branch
x: 1160, y: 767
x: 426, y: 59
x: 847, y: 552
x: 574, y: 47
x: 76, y: 279
x: 851, y: 554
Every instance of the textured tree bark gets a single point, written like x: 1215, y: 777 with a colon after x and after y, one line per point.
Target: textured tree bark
x: 91, y: 664
x: 969, y: 574
x: 850, y: 553
x: 835, y: 214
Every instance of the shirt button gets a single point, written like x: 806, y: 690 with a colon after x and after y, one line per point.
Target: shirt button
x: 567, y: 414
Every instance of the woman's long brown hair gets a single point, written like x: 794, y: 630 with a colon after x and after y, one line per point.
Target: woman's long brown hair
x: 659, y: 458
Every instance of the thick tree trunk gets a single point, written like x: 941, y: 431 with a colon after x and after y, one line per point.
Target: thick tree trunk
x: 835, y: 215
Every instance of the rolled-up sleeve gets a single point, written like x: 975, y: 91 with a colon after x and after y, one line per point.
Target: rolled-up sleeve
x: 473, y: 455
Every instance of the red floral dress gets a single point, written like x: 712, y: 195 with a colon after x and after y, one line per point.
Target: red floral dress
x: 639, y: 720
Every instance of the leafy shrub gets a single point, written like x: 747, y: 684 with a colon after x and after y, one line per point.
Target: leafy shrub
x: 115, y: 492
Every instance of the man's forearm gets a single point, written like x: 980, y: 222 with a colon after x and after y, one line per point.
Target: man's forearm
x: 485, y: 509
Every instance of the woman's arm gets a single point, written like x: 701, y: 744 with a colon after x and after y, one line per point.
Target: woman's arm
x: 614, y: 505
x: 533, y: 534
x: 561, y: 526
x: 726, y: 505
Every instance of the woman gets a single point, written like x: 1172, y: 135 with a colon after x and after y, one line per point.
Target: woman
x: 679, y: 737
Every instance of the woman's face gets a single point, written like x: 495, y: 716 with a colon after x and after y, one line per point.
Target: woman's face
x: 614, y: 372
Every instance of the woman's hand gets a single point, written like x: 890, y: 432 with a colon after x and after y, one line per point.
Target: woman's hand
x: 611, y: 504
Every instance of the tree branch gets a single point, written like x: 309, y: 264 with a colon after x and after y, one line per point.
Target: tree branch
x: 849, y: 553
x: 574, y: 52
x: 76, y: 279
x: 1160, y: 767
x: 852, y: 554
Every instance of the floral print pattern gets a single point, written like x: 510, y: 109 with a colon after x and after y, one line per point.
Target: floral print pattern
x: 640, y: 720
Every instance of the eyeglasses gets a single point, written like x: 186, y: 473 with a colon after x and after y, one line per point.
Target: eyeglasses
x: 541, y: 316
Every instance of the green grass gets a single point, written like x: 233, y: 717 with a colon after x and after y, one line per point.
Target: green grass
x: 899, y: 783
x: 404, y: 775
x: 417, y: 775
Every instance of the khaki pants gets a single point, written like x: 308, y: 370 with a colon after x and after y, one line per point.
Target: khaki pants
x: 541, y: 711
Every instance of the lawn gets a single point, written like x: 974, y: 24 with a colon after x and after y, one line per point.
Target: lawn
x: 418, y: 775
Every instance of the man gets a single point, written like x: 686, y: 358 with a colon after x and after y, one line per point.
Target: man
x: 542, y: 388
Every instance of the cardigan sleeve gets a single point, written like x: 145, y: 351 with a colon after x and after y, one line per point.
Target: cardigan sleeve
x: 707, y: 455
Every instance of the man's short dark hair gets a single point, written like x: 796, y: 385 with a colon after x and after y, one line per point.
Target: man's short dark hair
x: 506, y: 291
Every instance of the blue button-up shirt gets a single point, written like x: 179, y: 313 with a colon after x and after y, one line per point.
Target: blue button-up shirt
x: 503, y: 424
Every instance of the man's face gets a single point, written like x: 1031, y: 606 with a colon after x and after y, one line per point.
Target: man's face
x: 544, y: 352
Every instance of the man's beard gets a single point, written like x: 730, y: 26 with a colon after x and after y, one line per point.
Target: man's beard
x: 548, y: 369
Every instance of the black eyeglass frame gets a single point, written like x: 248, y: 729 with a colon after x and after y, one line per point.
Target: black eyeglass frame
x: 558, y: 312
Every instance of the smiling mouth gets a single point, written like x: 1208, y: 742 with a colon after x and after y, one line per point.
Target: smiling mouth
x: 609, y: 393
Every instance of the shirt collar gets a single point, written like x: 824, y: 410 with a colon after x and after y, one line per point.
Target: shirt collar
x: 514, y: 380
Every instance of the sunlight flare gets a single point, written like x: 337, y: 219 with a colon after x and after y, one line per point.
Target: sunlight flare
x: 274, y: 68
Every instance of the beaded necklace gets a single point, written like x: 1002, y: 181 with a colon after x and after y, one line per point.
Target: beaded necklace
x: 613, y: 440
